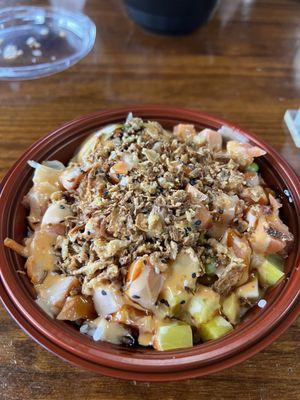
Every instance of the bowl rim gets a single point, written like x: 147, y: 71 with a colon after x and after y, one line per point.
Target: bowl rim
x: 154, y: 361
x: 64, y: 355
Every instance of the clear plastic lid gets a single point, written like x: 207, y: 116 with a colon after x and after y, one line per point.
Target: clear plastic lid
x: 41, y: 41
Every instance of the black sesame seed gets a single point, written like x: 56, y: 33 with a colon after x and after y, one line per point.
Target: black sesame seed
x: 164, y: 260
x: 135, y: 296
x: 198, y: 222
x: 193, y: 181
x: 103, y: 292
x: 62, y: 207
x: 164, y: 301
x: 182, y: 302
x: 194, y: 275
x: 88, y: 233
x: 187, y: 230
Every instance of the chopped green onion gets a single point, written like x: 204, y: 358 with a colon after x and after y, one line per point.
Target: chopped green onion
x: 253, y: 167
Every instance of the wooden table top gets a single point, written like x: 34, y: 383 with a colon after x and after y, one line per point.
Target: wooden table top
x: 244, y: 66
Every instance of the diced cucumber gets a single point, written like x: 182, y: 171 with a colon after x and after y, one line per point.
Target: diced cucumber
x: 203, y: 306
x: 269, y: 273
x: 174, y: 335
x: 253, y: 167
x: 215, y: 328
x: 276, y: 260
x: 249, y: 290
x: 231, y: 308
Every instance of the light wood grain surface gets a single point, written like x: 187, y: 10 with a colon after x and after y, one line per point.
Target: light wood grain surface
x: 244, y: 66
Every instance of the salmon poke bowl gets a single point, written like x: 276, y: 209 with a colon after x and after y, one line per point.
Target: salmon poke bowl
x: 151, y: 243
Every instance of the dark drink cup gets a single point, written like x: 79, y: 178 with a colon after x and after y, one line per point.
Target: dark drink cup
x: 170, y: 16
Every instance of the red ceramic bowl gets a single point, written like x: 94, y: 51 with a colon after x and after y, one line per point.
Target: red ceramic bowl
x: 259, y: 327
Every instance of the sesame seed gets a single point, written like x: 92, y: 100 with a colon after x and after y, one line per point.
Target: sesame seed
x: 182, y: 302
x: 194, y: 275
x: 135, y: 296
x: 103, y: 292
x: 198, y: 222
